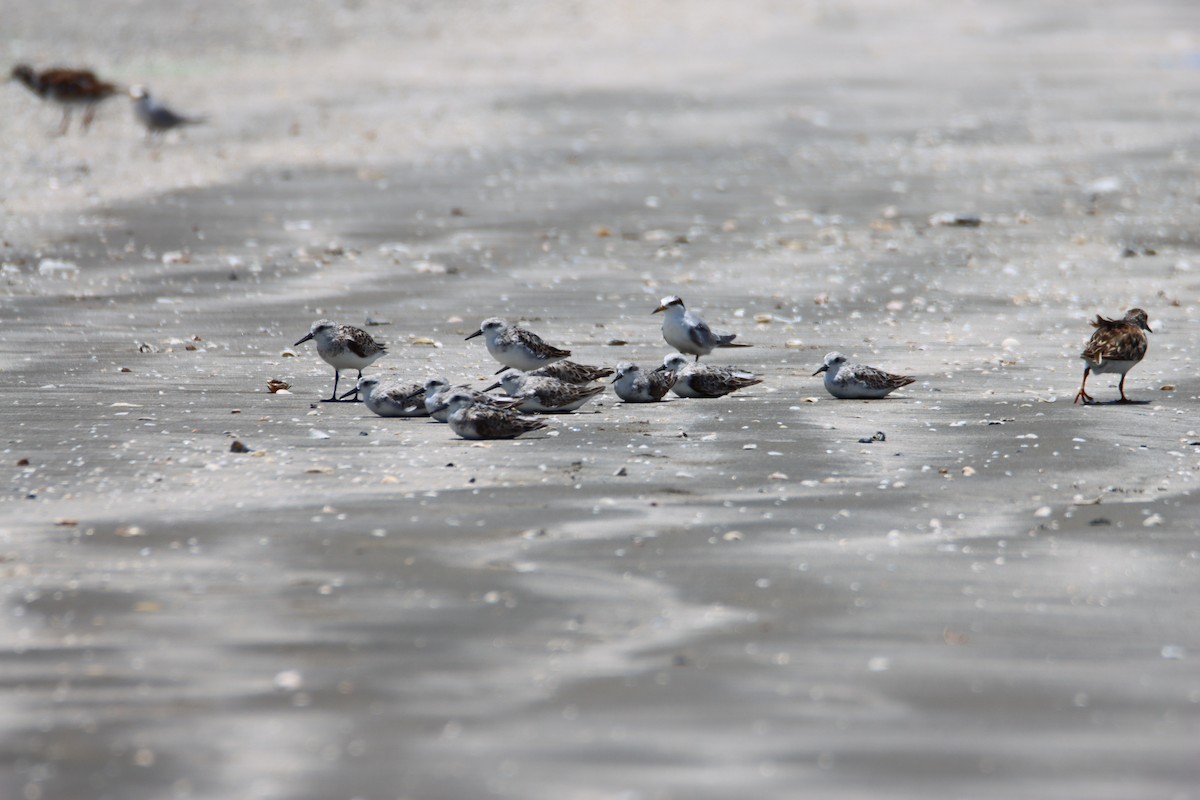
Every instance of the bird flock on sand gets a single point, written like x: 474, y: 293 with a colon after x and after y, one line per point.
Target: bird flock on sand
x: 76, y: 88
x: 537, y: 378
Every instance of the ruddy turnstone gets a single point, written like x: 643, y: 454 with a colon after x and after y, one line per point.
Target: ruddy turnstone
x: 391, y: 399
x: 689, y: 334
x: 704, y: 380
x: 634, y: 386
x: 1116, y: 346
x: 343, y: 347
x: 516, y: 347
x: 155, y: 116
x: 68, y: 88
x: 438, y: 389
x: 544, y: 394
x: 570, y: 372
x: 858, y: 381
x: 472, y: 420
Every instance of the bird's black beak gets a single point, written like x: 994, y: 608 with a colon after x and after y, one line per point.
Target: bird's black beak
x: 615, y: 379
x: 824, y: 368
x: 495, y: 385
x: 347, y: 394
x: 302, y: 341
x: 439, y: 408
x: 473, y: 335
x: 501, y: 371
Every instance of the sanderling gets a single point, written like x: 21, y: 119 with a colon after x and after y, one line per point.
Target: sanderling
x: 544, y: 394
x: 1116, y: 346
x: 634, y: 386
x: 689, y: 334
x: 437, y: 389
x: 516, y: 347
x: 391, y: 399
x: 705, y: 380
x: 343, y: 347
x: 155, y: 116
x: 858, y: 381
x: 472, y: 420
x: 570, y: 372
x: 68, y: 88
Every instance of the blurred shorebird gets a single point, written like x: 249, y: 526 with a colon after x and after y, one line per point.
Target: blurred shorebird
x: 68, y: 88
x: 154, y: 116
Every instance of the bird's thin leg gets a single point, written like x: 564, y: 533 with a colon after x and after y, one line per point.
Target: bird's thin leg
x: 65, y: 125
x: 697, y: 358
x: 1124, y: 399
x: 355, y: 398
x: 88, y: 115
x: 1083, y: 395
x: 334, y: 399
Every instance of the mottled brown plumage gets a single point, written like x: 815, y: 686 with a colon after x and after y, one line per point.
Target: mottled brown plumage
x: 1117, y: 345
x: 67, y: 87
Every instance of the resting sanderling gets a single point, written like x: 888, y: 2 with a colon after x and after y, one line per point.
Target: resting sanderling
x: 570, y: 372
x: 635, y: 386
x: 706, y: 380
x: 472, y: 420
x: 689, y: 334
x: 516, y: 347
x: 858, y: 381
x: 343, y: 347
x: 1117, y: 345
x: 438, y: 389
x: 544, y: 394
x: 391, y: 399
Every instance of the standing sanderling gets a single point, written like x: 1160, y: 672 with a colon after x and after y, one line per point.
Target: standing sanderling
x: 438, y: 389
x: 858, y: 381
x: 516, y: 347
x: 472, y: 420
x: 570, y: 372
x: 391, y: 399
x: 1117, y: 345
x: 705, y: 380
x: 544, y: 394
x: 343, y: 347
x: 634, y: 386
x: 689, y: 334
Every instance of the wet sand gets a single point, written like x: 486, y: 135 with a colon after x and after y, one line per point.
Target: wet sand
x: 694, y: 599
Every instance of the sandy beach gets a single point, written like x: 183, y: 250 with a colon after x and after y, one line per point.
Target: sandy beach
x: 689, y: 600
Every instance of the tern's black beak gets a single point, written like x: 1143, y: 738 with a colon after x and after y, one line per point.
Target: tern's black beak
x: 302, y: 341
x: 473, y: 335
x: 824, y: 368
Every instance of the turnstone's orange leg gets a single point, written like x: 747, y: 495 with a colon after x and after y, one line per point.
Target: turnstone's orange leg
x: 1124, y: 399
x: 1083, y: 395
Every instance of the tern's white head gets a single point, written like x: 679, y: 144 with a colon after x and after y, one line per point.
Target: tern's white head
x: 672, y: 304
x: 675, y: 362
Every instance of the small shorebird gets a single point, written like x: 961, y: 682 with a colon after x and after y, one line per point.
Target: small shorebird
x: 544, y: 394
x: 689, y: 334
x: 1117, y: 345
x: 570, y: 372
x: 858, y: 381
x: 343, y: 347
x: 634, y: 386
x: 472, y: 420
x: 391, y: 399
x: 438, y: 389
x: 704, y: 380
x: 68, y: 88
x: 516, y: 347
x: 155, y: 116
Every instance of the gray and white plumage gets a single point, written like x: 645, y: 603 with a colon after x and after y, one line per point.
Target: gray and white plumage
x: 154, y: 116
x: 472, y: 420
x: 847, y: 381
x: 438, y: 389
x: 1116, y: 345
x: 705, y: 380
x: 516, y: 347
x: 548, y: 395
x: 570, y: 372
x: 343, y: 347
x: 689, y: 334
x: 391, y: 399
x: 634, y: 385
